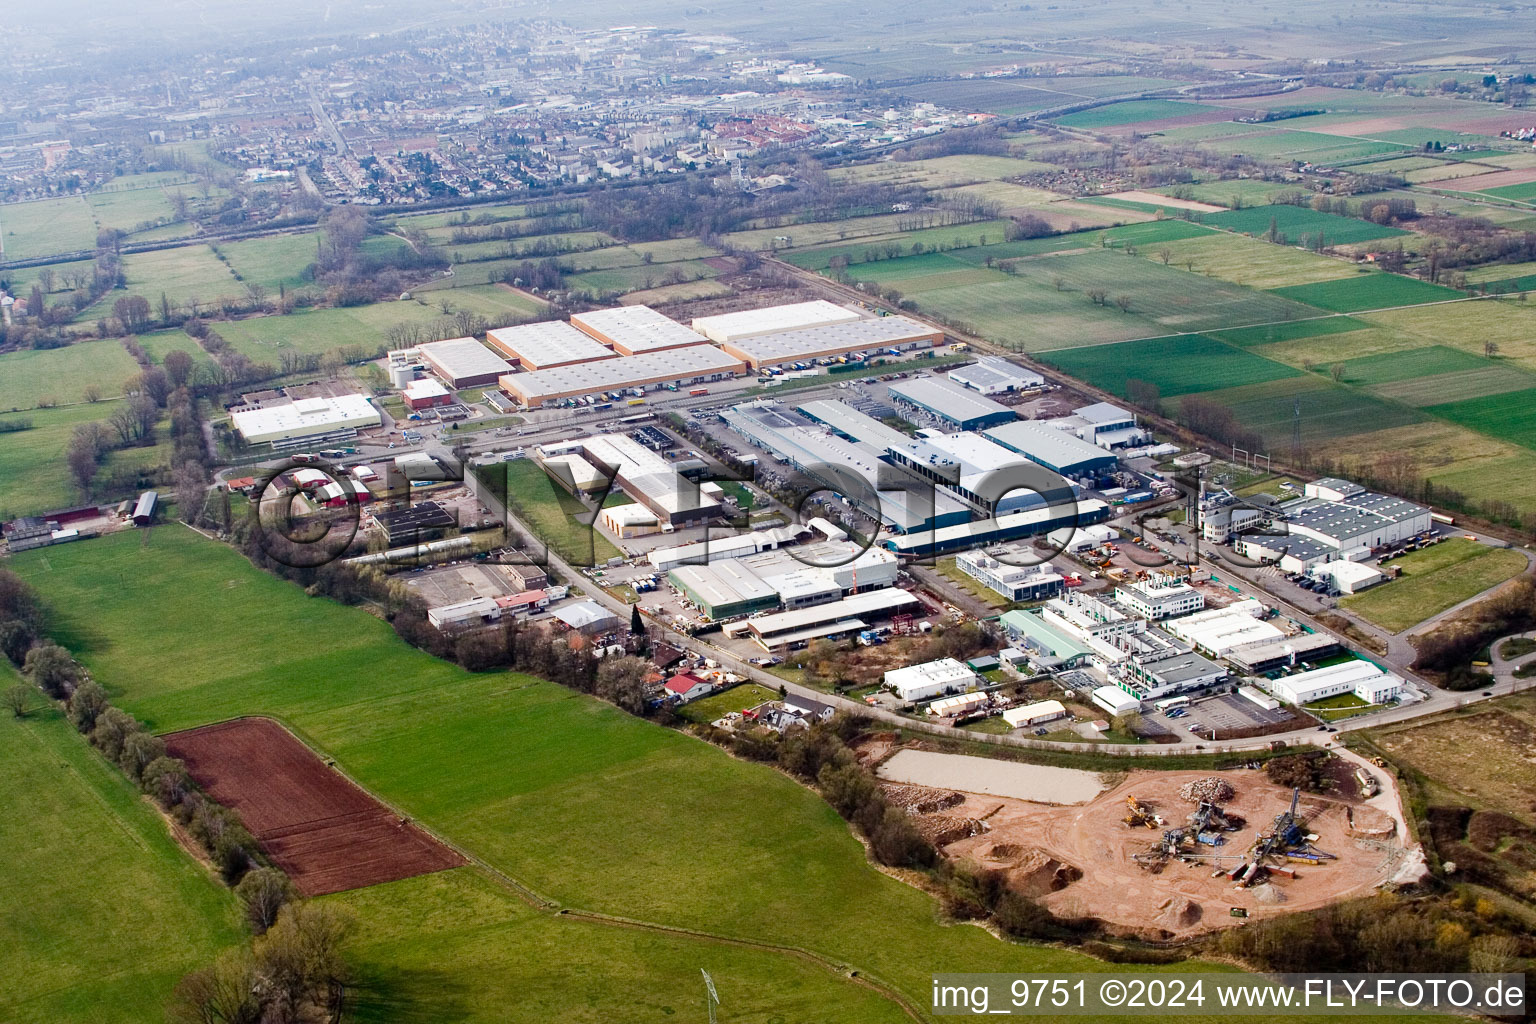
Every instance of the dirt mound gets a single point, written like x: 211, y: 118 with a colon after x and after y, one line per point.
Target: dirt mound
x: 1180, y: 913
x: 921, y: 799
x: 1208, y: 788
x: 1267, y: 894
x: 1038, y: 873
x: 1369, y: 823
x: 943, y: 829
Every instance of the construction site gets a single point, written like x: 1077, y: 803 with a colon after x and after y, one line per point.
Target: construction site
x: 1168, y: 855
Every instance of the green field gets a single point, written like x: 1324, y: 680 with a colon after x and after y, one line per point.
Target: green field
x: 495, y: 302
x: 1433, y: 580
x: 957, y: 236
x: 1178, y: 366
x: 317, y: 331
x: 1296, y: 330
x: 574, y: 798
x: 1368, y: 291
x: 737, y: 698
x: 273, y: 262
x: 141, y: 200
x: 561, y: 521
x: 638, y: 278
x: 1132, y: 112
x: 103, y: 911
x: 1510, y: 416
x: 1525, y: 192
x: 1248, y: 261
x: 189, y: 275
x: 1328, y: 411
x: 1301, y: 225
x: 62, y: 375
x: 159, y: 343
x: 1421, y: 362
x: 47, y: 226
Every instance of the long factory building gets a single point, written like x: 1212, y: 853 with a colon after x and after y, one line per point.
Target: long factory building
x: 749, y: 323
x: 694, y: 364
x: 636, y: 330
x: 543, y: 345
x: 591, y: 463
x: 879, y: 333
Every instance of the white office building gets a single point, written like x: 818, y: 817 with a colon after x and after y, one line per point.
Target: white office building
x: 1363, y: 679
x: 919, y: 682
x: 1161, y: 597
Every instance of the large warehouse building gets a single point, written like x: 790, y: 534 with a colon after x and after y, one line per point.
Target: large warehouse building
x: 542, y: 345
x: 1054, y: 449
x: 693, y: 365
x: 993, y: 375
x: 636, y: 330
x: 781, y: 347
x: 949, y: 403
x: 280, y: 423
x: 649, y: 479
x: 463, y: 362
x: 749, y: 323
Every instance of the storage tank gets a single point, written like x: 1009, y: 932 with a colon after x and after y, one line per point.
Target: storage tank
x: 401, y: 375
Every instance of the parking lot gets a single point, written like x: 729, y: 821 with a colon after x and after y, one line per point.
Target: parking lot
x: 1225, y: 713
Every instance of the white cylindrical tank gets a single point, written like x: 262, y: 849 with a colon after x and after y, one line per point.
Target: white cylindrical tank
x: 400, y: 376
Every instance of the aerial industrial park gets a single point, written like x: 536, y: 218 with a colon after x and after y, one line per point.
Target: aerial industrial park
x: 660, y: 514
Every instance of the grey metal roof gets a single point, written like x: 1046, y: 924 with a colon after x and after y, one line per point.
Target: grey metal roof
x: 550, y: 343
x: 944, y: 398
x: 464, y: 357
x: 1047, y: 445
x: 831, y: 338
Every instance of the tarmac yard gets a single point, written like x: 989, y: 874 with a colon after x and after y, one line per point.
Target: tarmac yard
x: 1080, y: 861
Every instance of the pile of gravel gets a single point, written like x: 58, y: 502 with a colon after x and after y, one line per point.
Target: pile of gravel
x: 1211, y: 788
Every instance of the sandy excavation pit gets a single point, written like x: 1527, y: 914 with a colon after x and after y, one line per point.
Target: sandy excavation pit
x: 1078, y: 860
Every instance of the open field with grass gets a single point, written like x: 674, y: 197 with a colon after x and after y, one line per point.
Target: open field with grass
x: 1182, y: 365
x: 703, y: 289
x: 320, y: 330
x: 492, y: 301
x: 278, y: 261
x: 1318, y: 327
x: 637, y: 278
x: 737, y: 698
x: 187, y: 275
x: 62, y: 375
x: 1301, y: 225
x: 1399, y: 366
x: 141, y: 200
x: 1132, y: 112
x: 43, y: 227
x: 1510, y: 416
x: 569, y: 795
x: 1433, y: 580
x: 1328, y: 410
x: 561, y: 521
x: 940, y: 172
x: 1247, y: 261
x: 1368, y: 290
x: 103, y: 911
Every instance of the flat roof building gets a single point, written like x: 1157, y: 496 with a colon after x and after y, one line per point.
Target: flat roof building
x: 775, y: 349
x: 649, y: 478
x: 1266, y: 656
x: 425, y: 393
x: 999, y: 529
x: 1161, y: 597
x: 1218, y: 631
x: 835, y: 618
x: 1054, y: 449
x: 1362, y: 678
x: 723, y: 590
x: 294, y: 420
x: 1016, y: 582
x: 691, y: 365
x: 993, y: 375
x: 950, y: 403
x: 1034, y: 714
x: 931, y: 678
x: 550, y: 343
x: 636, y: 330
x: 463, y: 362
x: 749, y: 323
